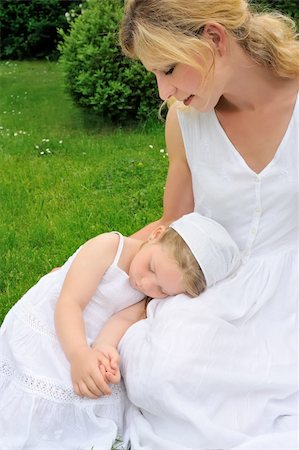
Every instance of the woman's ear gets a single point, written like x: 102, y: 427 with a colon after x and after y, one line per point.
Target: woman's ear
x: 157, y: 233
x: 217, y: 35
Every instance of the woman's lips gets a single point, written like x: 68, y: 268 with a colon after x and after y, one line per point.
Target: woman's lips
x: 188, y: 100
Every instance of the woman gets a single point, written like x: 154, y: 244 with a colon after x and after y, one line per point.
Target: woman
x: 220, y: 372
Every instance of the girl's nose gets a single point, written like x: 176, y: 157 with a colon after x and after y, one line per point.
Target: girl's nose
x: 165, y: 88
x: 146, y: 284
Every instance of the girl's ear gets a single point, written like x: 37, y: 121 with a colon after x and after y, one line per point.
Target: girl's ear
x: 157, y: 233
x: 216, y: 34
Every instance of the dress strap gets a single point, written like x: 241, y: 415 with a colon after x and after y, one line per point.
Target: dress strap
x: 119, y: 248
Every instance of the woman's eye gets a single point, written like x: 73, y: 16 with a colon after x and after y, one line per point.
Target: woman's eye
x: 169, y: 70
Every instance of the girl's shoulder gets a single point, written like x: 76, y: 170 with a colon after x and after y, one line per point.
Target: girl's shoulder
x: 103, y: 246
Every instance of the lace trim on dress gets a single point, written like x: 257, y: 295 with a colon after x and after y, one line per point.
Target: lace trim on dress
x: 35, y: 323
x: 50, y: 390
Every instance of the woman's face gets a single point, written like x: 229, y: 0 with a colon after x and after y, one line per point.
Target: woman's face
x: 184, y: 82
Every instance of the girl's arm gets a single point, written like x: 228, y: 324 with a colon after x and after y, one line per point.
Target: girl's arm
x: 112, y: 332
x: 79, y: 286
x: 178, y: 194
x: 117, y: 325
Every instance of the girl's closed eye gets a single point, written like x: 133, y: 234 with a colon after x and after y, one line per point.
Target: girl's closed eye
x: 151, y: 268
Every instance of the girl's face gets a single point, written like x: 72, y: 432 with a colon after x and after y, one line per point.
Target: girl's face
x: 155, y: 273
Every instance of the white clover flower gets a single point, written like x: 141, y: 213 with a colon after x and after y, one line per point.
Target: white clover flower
x: 36, y: 146
x: 67, y: 15
x: 60, y: 142
x: 15, y: 134
x: 151, y: 146
x: 48, y: 150
x: 162, y: 150
x: 42, y: 153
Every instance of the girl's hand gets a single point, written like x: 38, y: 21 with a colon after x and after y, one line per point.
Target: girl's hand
x: 110, y: 360
x: 87, y: 376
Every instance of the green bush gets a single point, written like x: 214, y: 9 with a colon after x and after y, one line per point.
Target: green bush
x: 289, y: 7
x: 98, y: 75
x: 29, y: 28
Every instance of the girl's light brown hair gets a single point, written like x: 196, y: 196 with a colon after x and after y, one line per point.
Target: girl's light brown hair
x: 194, y: 280
x: 161, y: 32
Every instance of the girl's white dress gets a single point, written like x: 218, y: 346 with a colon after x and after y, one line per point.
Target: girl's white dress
x: 38, y: 407
x: 221, y: 371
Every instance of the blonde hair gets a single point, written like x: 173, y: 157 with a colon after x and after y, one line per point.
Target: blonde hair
x: 169, y: 31
x: 194, y: 279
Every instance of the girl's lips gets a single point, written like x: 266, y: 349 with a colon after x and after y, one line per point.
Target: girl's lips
x: 188, y: 100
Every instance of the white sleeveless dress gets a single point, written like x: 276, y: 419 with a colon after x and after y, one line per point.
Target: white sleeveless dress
x: 38, y: 407
x: 221, y: 371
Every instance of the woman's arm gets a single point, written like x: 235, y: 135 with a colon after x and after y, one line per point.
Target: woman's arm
x: 79, y: 286
x: 178, y: 194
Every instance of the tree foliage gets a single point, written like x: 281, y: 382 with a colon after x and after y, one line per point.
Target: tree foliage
x: 29, y: 28
x: 98, y: 75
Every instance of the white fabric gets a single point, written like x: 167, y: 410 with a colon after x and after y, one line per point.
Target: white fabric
x: 216, y: 253
x: 39, y: 410
x: 221, y: 371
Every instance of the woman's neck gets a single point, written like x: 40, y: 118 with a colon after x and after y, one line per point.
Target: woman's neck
x: 250, y: 86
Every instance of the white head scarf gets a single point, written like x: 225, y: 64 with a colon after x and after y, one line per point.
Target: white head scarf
x: 215, y: 251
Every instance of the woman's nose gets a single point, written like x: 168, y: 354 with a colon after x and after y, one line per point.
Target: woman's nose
x: 166, y: 89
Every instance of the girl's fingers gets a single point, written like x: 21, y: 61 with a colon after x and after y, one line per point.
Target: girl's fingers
x: 100, y: 382
x: 84, y: 390
x: 105, y: 361
x: 113, y: 377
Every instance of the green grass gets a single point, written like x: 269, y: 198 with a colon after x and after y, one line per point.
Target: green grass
x: 65, y: 176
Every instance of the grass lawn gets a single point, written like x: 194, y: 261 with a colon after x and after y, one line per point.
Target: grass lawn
x: 65, y: 176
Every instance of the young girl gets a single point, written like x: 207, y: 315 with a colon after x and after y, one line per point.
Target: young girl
x: 48, y: 368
